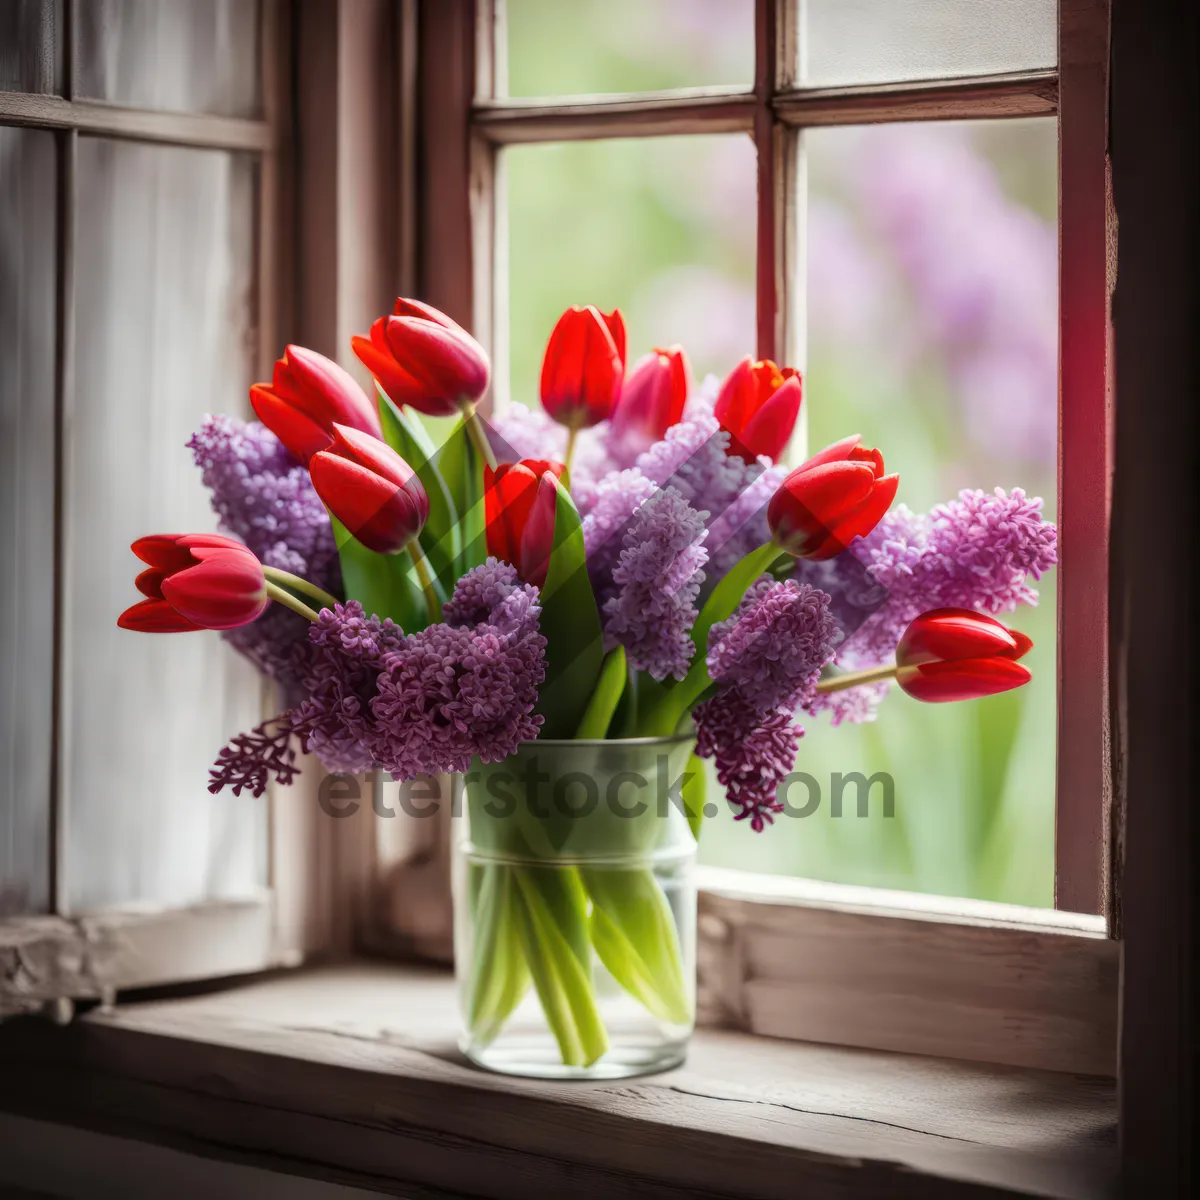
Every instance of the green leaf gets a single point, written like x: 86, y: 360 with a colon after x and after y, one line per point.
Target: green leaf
x: 571, y: 625
x: 553, y: 928
x: 499, y: 975
x: 461, y: 468
x: 605, y: 698
x: 695, y: 786
x: 665, y: 717
x: 381, y: 583
x: 441, y: 539
x: 633, y: 930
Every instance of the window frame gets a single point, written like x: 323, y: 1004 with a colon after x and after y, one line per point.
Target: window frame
x: 465, y: 121
x: 49, y: 960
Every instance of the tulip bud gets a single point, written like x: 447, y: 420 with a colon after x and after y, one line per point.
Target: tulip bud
x: 956, y: 654
x: 584, y: 366
x: 758, y: 404
x: 652, y: 400
x: 195, y: 581
x: 838, y: 495
x: 519, y: 507
x: 307, y: 396
x: 371, y: 490
x: 423, y: 359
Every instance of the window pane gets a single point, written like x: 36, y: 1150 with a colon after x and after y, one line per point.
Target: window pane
x: 589, y: 46
x: 885, y: 41
x: 932, y: 307
x: 31, y: 52
x: 28, y: 209
x: 178, y: 55
x: 662, y: 228
x: 162, y: 313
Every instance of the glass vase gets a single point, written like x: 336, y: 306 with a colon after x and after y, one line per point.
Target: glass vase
x: 575, y: 909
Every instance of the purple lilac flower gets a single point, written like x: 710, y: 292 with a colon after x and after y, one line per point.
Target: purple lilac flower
x: 692, y: 458
x: 657, y: 579
x: 766, y: 660
x: 977, y: 552
x: 251, y: 759
x: 263, y: 496
x: 452, y: 693
x: 334, y: 721
x: 611, y: 505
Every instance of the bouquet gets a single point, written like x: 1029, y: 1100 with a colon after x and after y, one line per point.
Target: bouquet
x: 629, y: 561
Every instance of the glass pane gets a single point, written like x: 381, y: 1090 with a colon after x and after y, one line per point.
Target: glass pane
x: 885, y: 41
x: 179, y: 55
x: 662, y: 228
x: 164, y: 247
x: 31, y: 51
x: 596, y: 46
x: 28, y: 267
x: 932, y: 302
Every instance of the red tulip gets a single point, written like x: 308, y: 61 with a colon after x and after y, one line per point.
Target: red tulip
x: 957, y: 654
x: 758, y: 405
x: 308, y: 394
x: 371, y: 490
x: 420, y: 357
x: 195, y: 581
x: 519, y: 505
x: 838, y: 495
x: 584, y: 366
x: 652, y: 400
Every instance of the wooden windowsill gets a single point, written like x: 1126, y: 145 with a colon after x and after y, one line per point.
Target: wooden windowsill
x: 350, y: 1073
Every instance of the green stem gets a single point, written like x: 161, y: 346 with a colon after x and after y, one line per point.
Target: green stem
x: 425, y: 575
x: 572, y: 436
x: 475, y: 432
x: 287, y: 579
x: 289, y: 601
x: 849, y: 679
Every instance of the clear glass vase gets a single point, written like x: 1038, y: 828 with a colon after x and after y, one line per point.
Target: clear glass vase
x: 575, y: 909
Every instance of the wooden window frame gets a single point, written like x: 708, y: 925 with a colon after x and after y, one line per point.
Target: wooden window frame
x: 56, y: 958
x: 1064, y: 1013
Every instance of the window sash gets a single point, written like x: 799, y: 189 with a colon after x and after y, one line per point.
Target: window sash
x: 465, y: 260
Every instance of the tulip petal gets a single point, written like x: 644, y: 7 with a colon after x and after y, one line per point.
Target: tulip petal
x: 770, y: 429
x: 328, y: 393
x: 582, y: 369
x: 949, y: 634
x: 450, y: 363
x: 837, y: 452
x: 863, y: 519
x: 736, y: 396
x: 381, y: 514
x: 162, y: 550
x: 223, y: 590
x: 964, y: 679
x: 405, y: 307
x: 537, y: 539
x: 615, y: 321
x: 155, y: 616
x: 296, y: 430
x: 149, y: 583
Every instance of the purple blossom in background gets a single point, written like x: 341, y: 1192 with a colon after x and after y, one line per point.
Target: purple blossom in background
x: 657, y: 579
x: 522, y: 432
x: 766, y: 660
x: 455, y: 691
x: 982, y: 270
x: 262, y: 495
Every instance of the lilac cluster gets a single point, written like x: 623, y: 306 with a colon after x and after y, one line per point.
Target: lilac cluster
x: 334, y: 721
x: 766, y: 660
x: 692, y: 458
x: 263, y: 496
x: 606, y: 519
x: 415, y: 705
x: 454, y: 691
x: 977, y: 551
x: 656, y: 581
